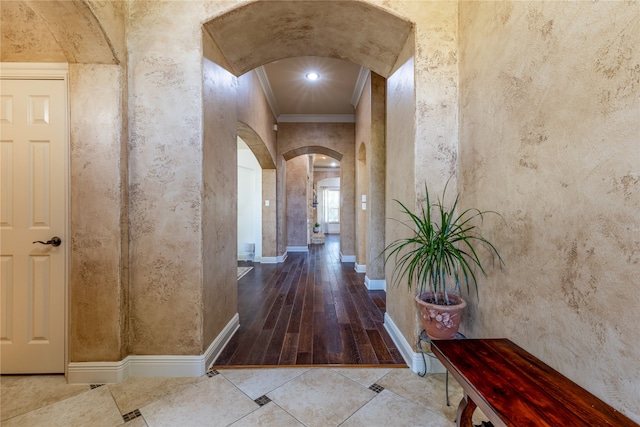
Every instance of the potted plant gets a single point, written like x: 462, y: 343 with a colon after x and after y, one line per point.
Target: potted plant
x: 439, y: 255
x: 316, y: 227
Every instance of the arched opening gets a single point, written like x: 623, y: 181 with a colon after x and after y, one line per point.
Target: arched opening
x: 259, y: 33
x: 262, y: 32
x: 299, y: 177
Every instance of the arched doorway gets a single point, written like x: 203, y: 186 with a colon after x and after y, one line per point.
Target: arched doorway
x: 258, y: 33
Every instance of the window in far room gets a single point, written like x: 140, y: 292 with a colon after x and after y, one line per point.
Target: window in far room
x: 332, y: 205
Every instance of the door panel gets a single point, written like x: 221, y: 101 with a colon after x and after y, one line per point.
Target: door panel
x: 33, y: 183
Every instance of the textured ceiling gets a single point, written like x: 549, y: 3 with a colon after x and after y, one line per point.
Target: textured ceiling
x: 263, y: 32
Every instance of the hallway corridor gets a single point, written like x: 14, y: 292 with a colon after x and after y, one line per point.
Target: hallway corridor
x: 310, y: 310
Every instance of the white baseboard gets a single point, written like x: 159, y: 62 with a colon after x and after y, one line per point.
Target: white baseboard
x: 297, y: 248
x: 375, y: 284
x: 268, y: 260
x: 282, y: 257
x: 347, y: 258
x: 418, y: 362
x: 361, y: 268
x: 151, y: 366
x: 220, y: 342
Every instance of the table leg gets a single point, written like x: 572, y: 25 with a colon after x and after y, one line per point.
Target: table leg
x: 465, y: 412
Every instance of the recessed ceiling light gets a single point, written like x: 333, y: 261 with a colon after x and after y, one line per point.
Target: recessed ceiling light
x: 312, y: 76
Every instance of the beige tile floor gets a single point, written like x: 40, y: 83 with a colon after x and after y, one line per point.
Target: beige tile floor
x: 228, y: 397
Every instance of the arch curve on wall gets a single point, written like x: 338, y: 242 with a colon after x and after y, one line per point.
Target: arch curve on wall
x: 78, y: 32
x: 264, y: 32
x: 312, y: 149
x: 257, y: 145
x: 362, y: 152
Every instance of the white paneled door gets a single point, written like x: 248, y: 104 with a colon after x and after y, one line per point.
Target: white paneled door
x: 33, y: 182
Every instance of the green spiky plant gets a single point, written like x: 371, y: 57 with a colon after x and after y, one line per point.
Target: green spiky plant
x: 442, y: 245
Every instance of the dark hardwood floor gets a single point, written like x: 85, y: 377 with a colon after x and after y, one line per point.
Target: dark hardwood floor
x: 309, y: 310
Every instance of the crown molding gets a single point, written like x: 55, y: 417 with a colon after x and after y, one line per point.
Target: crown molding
x: 317, y: 118
x: 266, y: 88
x: 326, y: 169
x: 359, y: 87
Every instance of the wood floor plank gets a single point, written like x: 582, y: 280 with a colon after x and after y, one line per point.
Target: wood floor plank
x: 379, y: 347
x: 350, y: 353
x: 289, y: 352
x: 334, y: 341
x: 311, y: 309
x: 319, y: 340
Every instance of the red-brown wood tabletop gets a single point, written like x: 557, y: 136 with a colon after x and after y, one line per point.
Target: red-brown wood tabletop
x: 519, y: 388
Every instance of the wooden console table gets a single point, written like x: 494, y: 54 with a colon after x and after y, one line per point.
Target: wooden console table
x: 514, y: 388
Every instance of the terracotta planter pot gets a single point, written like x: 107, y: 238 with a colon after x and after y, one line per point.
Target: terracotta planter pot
x: 441, y: 322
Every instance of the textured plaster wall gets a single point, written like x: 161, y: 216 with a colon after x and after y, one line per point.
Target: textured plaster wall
x: 97, y: 290
x: 254, y: 112
x: 25, y: 37
x: 269, y: 216
x: 371, y: 174
x: 255, y: 126
x: 550, y: 138
x: 165, y: 176
x: 112, y: 16
x: 81, y: 37
x: 376, y: 165
x: 297, y: 201
x: 362, y: 140
x: 219, y: 201
x: 422, y: 135
x: 400, y: 153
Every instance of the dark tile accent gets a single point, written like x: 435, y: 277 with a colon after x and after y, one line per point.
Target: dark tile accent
x: 131, y: 415
x: 95, y: 386
x: 262, y: 400
x: 212, y: 373
x: 376, y: 387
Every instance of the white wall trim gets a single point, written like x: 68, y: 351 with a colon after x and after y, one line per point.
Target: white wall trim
x: 266, y: 88
x: 316, y: 118
x: 267, y: 260
x: 219, y: 343
x: 151, y: 366
x: 297, y: 248
x: 359, y: 87
x: 347, y: 258
x: 375, y: 284
x: 39, y: 70
x: 361, y: 268
x: 415, y: 360
x: 282, y: 257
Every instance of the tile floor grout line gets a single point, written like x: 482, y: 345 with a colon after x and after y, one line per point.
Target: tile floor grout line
x: 47, y: 405
x: 289, y: 413
x: 432, y: 404
x: 359, y: 409
x: 267, y: 392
